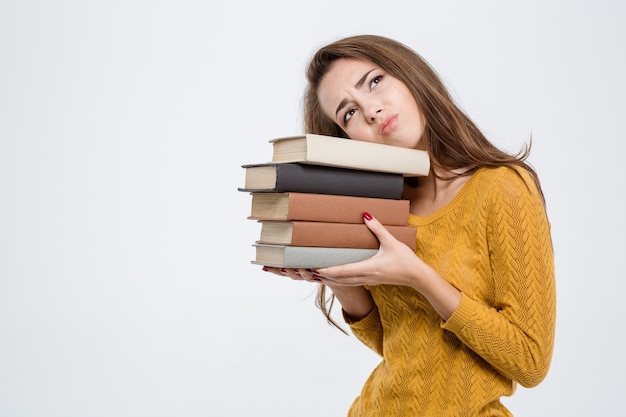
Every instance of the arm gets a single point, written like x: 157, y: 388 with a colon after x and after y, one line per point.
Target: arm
x: 358, y: 307
x: 356, y: 302
x: 516, y: 333
x: 516, y: 337
x: 361, y: 313
x: 394, y: 264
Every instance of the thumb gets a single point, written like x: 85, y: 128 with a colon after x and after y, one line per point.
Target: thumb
x: 376, y: 227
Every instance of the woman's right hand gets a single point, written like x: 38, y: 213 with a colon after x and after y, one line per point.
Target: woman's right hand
x: 293, y: 273
x: 355, y: 301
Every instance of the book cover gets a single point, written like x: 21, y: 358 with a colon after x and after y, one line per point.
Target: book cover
x: 318, y: 179
x: 354, y: 154
x: 327, y: 208
x: 341, y: 235
x: 310, y: 257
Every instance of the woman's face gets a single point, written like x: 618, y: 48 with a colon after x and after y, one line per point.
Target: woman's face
x: 371, y: 105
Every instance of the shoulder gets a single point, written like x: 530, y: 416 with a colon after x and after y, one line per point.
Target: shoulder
x: 505, y: 178
x: 503, y: 173
x: 510, y: 190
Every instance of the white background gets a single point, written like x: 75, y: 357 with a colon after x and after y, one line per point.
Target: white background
x: 125, y: 282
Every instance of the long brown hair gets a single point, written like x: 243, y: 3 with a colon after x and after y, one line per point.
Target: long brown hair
x: 452, y: 139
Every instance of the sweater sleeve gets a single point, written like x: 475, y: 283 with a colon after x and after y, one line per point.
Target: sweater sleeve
x: 369, y: 330
x: 516, y: 335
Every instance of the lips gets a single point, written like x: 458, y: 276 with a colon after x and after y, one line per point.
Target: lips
x: 388, y: 125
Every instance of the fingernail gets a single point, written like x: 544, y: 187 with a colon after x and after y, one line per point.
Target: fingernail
x: 283, y: 270
x: 367, y: 216
x: 265, y: 269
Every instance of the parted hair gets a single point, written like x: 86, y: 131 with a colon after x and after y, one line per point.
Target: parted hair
x: 452, y: 139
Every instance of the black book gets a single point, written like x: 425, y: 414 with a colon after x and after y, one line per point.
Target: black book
x: 318, y: 179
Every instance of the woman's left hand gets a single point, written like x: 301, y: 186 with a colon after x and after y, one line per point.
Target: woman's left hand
x: 394, y: 263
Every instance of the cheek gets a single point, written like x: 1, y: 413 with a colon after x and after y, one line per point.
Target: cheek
x: 359, y: 132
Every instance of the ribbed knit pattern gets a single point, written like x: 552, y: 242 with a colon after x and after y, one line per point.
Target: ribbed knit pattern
x: 492, y: 242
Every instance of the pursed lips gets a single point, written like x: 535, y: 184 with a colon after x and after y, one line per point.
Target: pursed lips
x: 388, y: 125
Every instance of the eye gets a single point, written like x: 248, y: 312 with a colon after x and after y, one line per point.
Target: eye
x: 375, y: 81
x: 348, y: 115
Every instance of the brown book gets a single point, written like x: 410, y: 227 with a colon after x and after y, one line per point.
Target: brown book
x: 327, y: 208
x: 340, y: 235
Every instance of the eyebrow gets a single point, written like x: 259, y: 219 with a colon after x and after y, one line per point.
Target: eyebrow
x: 358, y: 85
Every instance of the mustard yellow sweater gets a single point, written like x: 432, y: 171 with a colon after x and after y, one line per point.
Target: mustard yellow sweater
x: 492, y: 242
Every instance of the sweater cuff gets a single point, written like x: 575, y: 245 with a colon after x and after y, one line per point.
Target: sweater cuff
x: 461, y: 315
x: 369, y: 320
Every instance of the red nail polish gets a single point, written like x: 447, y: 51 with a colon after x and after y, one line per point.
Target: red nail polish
x: 367, y: 216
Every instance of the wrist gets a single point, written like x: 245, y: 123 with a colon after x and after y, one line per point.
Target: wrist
x: 443, y: 296
x: 356, y: 302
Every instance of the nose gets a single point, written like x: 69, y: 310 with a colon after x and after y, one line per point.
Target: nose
x: 372, y: 113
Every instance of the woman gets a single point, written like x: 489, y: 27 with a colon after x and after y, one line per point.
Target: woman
x: 471, y: 312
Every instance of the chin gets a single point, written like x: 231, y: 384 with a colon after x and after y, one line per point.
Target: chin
x: 404, y: 144
x: 404, y: 141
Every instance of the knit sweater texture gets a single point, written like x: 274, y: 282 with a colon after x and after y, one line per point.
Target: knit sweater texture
x: 492, y: 242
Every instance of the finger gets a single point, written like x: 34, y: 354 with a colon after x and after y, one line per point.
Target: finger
x: 351, y: 270
x: 291, y: 273
x: 309, y: 275
x: 347, y: 280
x: 284, y: 272
x: 376, y: 227
x: 272, y: 270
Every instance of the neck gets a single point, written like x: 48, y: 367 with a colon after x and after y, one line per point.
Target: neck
x: 433, y: 192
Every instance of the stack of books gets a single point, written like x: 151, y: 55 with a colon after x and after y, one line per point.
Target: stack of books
x: 309, y: 200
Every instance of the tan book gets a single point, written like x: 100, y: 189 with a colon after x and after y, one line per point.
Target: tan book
x: 340, y: 235
x: 327, y: 208
x: 346, y: 153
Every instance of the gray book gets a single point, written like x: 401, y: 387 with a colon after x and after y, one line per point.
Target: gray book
x: 309, y: 257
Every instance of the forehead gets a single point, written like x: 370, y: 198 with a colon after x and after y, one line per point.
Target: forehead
x: 346, y: 70
x: 340, y: 80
